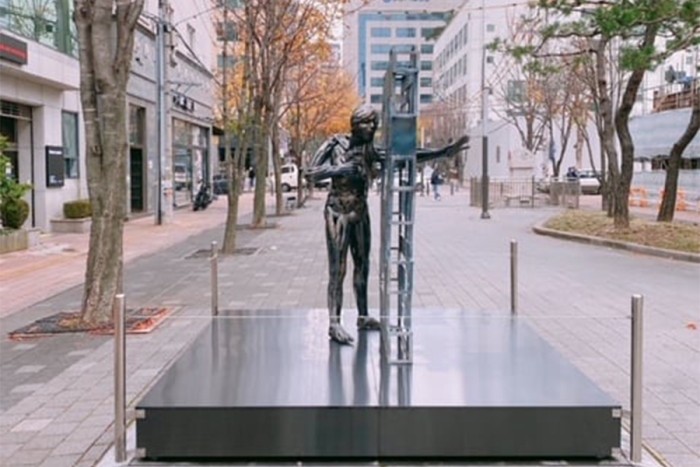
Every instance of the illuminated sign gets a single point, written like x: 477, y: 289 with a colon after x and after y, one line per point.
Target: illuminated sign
x: 13, y: 50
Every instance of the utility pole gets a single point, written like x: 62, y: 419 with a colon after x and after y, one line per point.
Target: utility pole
x: 231, y: 171
x: 164, y: 197
x: 484, y: 117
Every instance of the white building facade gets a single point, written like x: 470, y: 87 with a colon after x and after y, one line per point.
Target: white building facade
x: 372, y: 28
x: 40, y: 111
x: 462, y: 58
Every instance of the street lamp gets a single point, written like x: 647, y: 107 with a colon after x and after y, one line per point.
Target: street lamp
x: 484, y: 116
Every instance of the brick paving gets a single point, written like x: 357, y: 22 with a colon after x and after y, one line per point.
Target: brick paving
x: 56, y: 393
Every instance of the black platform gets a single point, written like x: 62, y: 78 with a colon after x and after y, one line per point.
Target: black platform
x: 264, y: 385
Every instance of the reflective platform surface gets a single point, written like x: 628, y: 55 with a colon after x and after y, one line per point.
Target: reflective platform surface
x: 269, y: 384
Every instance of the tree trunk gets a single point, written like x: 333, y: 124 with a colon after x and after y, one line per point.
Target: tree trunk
x: 261, y: 169
x: 105, y: 60
x: 621, y: 215
x: 276, y: 169
x: 607, y: 127
x: 668, y: 202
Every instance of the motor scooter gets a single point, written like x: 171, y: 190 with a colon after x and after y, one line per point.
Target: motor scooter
x: 203, y: 198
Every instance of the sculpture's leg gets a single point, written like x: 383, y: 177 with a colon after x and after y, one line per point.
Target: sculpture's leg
x: 337, y: 240
x: 360, y: 241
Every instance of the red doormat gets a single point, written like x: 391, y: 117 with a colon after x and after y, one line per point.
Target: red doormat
x: 138, y: 321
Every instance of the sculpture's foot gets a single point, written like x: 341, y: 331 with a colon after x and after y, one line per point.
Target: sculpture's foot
x: 339, y: 335
x: 367, y: 323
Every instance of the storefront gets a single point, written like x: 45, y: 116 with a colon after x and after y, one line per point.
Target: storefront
x: 190, y: 160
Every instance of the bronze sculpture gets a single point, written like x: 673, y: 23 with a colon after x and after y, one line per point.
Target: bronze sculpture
x: 352, y: 162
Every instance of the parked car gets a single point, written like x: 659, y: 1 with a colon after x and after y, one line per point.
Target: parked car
x: 589, y: 182
x: 220, y: 183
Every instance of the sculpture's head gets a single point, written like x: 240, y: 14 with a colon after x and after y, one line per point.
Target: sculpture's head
x: 364, y: 121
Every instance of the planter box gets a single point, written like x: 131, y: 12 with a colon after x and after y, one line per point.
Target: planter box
x: 13, y: 240
x: 71, y: 225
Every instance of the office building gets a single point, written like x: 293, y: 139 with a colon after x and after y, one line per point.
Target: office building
x: 372, y: 28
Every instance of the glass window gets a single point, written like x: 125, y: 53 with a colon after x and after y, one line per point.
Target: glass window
x: 383, y: 65
x: 490, y: 28
x: 47, y: 22
x: 380, y: 32
x: 377, y: 82
x: 403, y: 48
x: 430, y: 33
x: 426, y: 98
x: 426, y: 66
x: 376, y: 98
x: 182, y: 134
x: 426, y: 48
x: 405, y: 32
x: 69, y: 126
x: 426, y: 82
x: 381, y: 48
x: 136, y: 129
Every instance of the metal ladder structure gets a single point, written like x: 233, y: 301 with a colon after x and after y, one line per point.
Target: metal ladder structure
x: 399, y: 120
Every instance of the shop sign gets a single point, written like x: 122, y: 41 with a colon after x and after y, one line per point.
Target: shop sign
x: 183, y: 103
x: 55, y: 167
x: 13, y: 50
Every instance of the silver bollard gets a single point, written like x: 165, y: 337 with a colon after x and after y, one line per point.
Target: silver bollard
x: 636, y: 387
x: 119, y: 379
x: 513, y: 277
x: 214, y: 279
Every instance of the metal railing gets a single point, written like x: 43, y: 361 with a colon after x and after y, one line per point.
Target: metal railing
x: 506, y: 192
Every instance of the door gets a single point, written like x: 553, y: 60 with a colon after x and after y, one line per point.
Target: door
x: 137, y: 179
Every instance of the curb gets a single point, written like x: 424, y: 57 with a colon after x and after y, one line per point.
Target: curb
x: 642, y: 249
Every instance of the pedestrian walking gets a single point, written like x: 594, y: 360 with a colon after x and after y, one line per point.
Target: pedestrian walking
x: 436, y: 180
x: 251, y: 178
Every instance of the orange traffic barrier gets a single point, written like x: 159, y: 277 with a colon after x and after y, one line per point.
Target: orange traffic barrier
x: 681, y: 202
x: 638, y: 197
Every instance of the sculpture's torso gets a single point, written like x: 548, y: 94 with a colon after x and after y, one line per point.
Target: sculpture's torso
x: 348, y: 193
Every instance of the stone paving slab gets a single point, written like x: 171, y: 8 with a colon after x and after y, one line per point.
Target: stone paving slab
x: 577, y: 296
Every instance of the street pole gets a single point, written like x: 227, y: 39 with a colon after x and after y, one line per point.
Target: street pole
x: 484, y: 116
x: 164, y: 201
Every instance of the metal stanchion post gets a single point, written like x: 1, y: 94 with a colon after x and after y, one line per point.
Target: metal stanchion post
x: 119, y: 379
x: 513, y: 277
x: 214, y: 280
x: 636, y: 386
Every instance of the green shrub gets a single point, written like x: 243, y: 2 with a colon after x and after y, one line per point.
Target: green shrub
x: 14, y: 212
x: 13, y: 209
x: 77, y: 209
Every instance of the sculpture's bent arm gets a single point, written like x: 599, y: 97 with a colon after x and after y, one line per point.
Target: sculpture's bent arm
x: 323, y: 172
x: 324, y: 154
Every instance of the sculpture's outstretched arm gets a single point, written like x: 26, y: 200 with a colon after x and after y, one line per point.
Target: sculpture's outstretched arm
x: 425, y: 155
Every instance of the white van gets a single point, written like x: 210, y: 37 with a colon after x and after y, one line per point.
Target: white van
x: 290, y: 176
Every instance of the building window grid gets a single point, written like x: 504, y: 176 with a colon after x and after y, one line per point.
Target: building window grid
x: 365, y: 18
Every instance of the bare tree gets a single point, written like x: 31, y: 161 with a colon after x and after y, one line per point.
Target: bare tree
x: 668, y: 202
x: 105, y: 64
x: 631, y: 29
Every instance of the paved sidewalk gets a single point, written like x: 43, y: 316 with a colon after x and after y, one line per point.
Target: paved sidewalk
x: 56, y: 405
x: 59, y: 261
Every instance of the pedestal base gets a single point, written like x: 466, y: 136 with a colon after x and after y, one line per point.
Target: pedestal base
x: 264, y: 385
